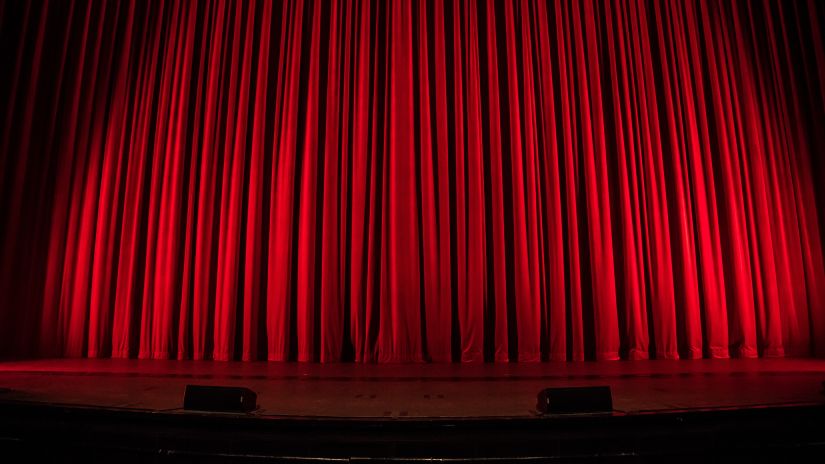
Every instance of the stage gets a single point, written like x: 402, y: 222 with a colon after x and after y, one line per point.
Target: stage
x: 425, y: 215
x: 680, y: 410
x: 415, y: 390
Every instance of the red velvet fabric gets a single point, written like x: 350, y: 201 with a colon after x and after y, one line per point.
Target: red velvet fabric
x: 392, y: 181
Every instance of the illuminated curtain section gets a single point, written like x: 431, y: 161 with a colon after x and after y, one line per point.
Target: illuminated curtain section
x: 388, y: 181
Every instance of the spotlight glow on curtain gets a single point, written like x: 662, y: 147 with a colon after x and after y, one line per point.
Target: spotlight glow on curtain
x: 405, y: 181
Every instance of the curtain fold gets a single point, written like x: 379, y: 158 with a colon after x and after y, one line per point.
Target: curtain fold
x: 408, y: 181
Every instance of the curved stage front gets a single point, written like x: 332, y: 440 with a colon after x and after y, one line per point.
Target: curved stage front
x: 132, y: 410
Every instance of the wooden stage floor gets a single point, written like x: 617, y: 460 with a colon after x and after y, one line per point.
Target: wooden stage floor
x: 415, y: 390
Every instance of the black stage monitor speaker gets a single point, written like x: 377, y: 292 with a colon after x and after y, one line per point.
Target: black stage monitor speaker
x: 220, y: 399
x: 574, y: 400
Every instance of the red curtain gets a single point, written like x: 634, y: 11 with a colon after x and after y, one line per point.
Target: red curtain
x: 412, y: 180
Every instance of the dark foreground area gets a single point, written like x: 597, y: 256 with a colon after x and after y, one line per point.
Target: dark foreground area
x: 36, y: 431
